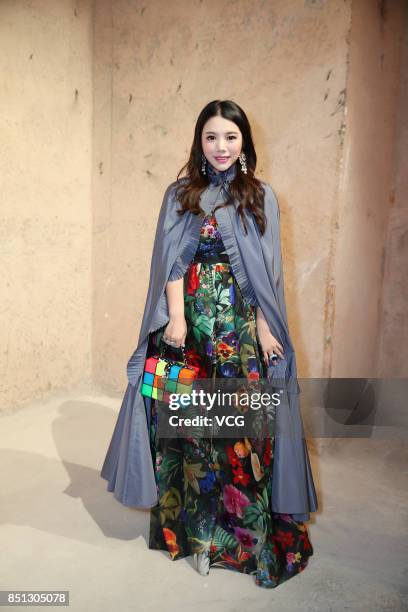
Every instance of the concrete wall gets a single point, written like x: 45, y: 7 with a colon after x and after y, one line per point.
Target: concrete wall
x: 393, y: 354
x: 100, y: 101
x: 45, y: 221
x: 156, y: 66
x: 365, y: 192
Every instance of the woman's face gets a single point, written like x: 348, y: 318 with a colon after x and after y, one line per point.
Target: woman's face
x: 221, y: 140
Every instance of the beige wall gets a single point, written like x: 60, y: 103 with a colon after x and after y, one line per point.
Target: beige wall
x: 155, y: 68
x: 84, y: 174
x: 393, y: 356
x: 365, y: 191
x: 46, y: 145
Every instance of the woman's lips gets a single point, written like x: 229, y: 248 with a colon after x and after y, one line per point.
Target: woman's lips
x: 221, y: 159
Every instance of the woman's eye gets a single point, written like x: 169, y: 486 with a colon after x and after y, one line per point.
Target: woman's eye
x: 229, y: 137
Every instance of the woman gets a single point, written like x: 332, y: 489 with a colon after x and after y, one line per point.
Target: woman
x: 216, y: 288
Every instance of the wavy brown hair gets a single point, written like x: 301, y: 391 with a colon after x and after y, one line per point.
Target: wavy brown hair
x: 245, y: 188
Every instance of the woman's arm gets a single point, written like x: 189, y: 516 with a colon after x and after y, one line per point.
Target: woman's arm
x: 272, y: 247
x: 175, y: 298
x: 260, y: 319
x: 176, y: 329
x: 268, y: 342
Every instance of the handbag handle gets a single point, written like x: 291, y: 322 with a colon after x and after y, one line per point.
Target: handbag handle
x: 181, y: 347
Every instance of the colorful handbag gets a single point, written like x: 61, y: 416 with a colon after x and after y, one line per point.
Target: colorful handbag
x: 163, y: 376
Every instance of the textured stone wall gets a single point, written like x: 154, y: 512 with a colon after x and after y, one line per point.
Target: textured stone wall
x: 99, y: 101
x: 46, y: 205
x: 156, y: 65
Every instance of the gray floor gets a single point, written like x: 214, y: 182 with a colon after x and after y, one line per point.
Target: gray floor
x: 61, y: 529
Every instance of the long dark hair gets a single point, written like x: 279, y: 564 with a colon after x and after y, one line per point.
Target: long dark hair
x: 245, y: 188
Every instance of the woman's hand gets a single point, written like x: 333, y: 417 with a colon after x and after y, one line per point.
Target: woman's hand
x: 269, y: 345
x: 268, y: 342
x: 176, y: 331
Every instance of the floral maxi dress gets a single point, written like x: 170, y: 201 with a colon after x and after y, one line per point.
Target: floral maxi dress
x: 214, y: 497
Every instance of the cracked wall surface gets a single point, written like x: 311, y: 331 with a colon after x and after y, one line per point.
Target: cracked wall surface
x: 393, y: 354
x: 46, y: 206
x: 99, y: 104
x: 364, y: 202
x: 156, y: 66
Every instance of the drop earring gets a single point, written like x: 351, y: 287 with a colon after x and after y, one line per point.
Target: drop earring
x: 242, y: 161
x: 203, y: 163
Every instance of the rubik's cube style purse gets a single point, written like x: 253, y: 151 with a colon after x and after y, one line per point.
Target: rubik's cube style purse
x: 163, y: 376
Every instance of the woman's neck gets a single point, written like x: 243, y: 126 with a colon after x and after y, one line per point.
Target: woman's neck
x: 217, y: 176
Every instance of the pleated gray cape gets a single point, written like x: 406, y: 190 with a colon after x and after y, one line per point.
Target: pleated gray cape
x: 257, y: 266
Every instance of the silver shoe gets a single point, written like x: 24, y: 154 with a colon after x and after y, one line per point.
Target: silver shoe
x: 202, y: 562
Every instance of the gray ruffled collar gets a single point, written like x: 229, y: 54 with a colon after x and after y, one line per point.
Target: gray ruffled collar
x: 216, y: 178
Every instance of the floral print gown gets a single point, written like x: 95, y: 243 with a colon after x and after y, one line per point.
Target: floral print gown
x: 214, y: 495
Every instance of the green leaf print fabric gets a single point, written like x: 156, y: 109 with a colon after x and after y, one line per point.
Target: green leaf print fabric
x: 214, y: 494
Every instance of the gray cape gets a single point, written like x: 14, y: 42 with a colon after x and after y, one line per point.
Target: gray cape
x: 257, y: 266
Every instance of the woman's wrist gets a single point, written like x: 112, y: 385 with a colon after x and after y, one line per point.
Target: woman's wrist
x: 259, y: 313
x: 176, y: 316
x: 260, y: 319
x: 175, y: 299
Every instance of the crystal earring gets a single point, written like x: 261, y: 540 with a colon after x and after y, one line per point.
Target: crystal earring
x: 203, y: 163
x: 242, y: 160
